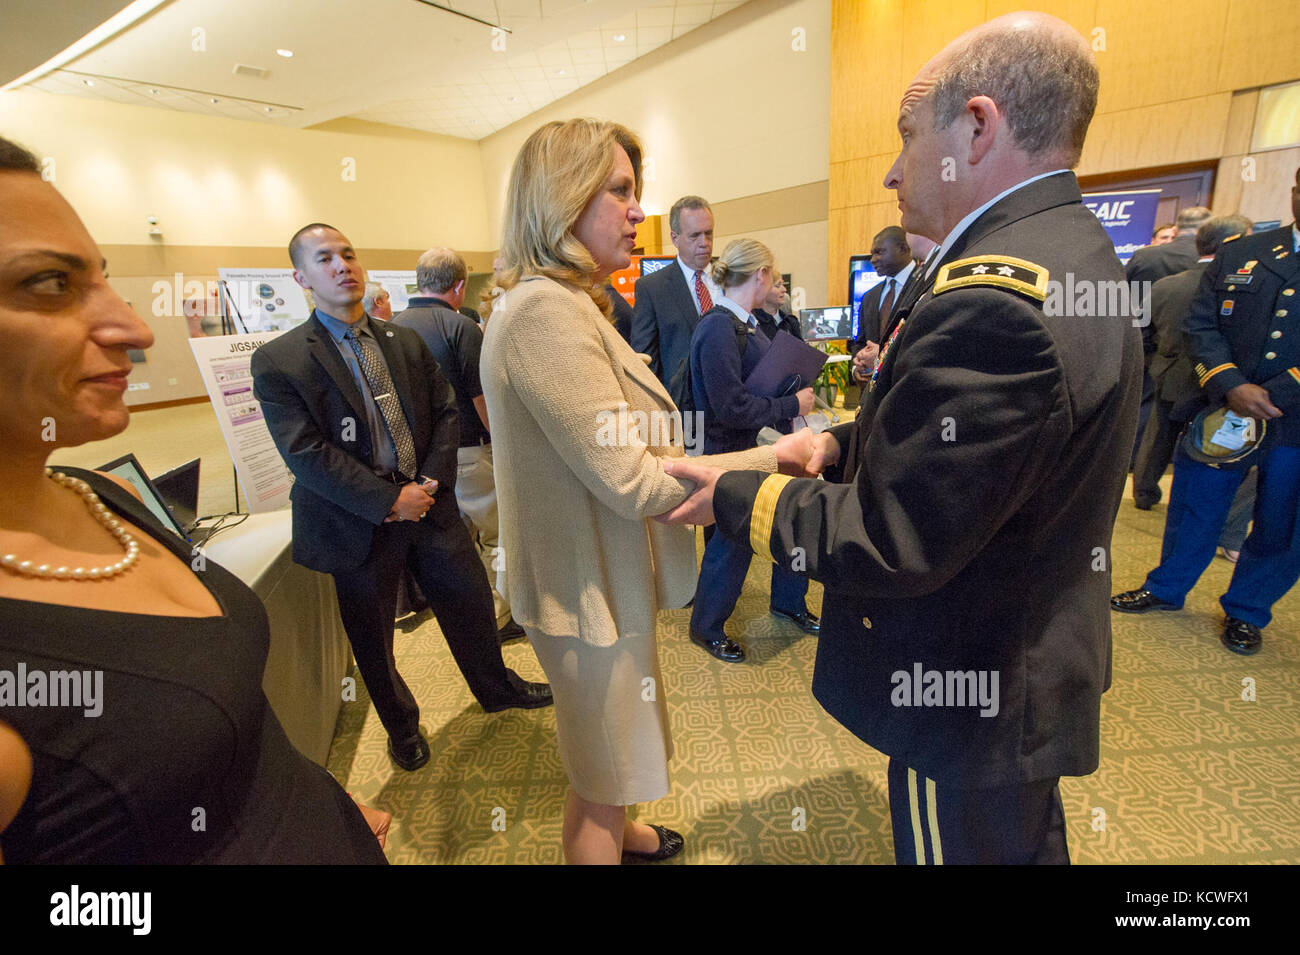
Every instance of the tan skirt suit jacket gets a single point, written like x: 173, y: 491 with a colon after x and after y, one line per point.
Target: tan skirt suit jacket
x: 580, y: 432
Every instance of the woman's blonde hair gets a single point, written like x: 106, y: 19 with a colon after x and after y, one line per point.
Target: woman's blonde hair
x: 557, y: 172
x: 740, y: 260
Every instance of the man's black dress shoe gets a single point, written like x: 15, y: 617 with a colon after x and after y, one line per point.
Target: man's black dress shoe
x: 806, y: 619
x: 1241, y: 637
x: 524, y: 695
x: 670, y: 843
x: 1139, y: 601
x: 723, y: 648
x: 510, y: 631
x: 410, y: 754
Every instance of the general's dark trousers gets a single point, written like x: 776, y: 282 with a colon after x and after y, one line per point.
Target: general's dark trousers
x: 1010, y: 825
x: 1270, y: 558
x: 722, y: 577
x: 453, y: 581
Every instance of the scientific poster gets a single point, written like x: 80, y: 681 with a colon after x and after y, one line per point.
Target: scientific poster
x: 399, y: 283
x: 263, y: 300
x: 224, y: 362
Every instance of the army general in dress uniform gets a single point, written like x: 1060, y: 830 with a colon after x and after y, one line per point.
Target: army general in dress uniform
x: 966, y: 560
x: 1243, y: 334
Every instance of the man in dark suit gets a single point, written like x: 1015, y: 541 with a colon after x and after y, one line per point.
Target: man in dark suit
x: 1149, y: 265
x: 1177, y: 395
x: 961, y: 553
x: 669, y: 302
x: 1244, y: 350
x: 365, y: 421
x: 891, y: 257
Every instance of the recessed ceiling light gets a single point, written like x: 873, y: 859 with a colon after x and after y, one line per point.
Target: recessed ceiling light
x: 215, y: 100
x: 269, y: 110
x: 89, y: 82
x: 514, y: 99
x: 284, y: 53
x: 560, y: 72
x: 153, y: 90
x: 619, y: 37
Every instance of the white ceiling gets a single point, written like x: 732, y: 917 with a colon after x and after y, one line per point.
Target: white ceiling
x: 401, y: 62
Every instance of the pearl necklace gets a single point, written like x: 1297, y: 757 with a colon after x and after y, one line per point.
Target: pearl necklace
x: 101, y: 513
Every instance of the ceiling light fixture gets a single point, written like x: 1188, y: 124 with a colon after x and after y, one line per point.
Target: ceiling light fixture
x: 153, y: 90
x: 620, y: 37
x: 284, y: 53
x: 560, y: 72
x: 89, y: 82
x: 215, y: 100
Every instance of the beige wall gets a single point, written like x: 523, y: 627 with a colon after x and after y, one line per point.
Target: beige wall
x: 729, y: 112
x: 225, y: 182
x: 1169, y: 73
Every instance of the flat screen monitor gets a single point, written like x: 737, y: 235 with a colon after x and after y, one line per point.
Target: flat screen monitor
x: 179, y: 489
x: 128, y: 467
x: 653, y: 263
x: 826, y: 324
x: 862, y: 278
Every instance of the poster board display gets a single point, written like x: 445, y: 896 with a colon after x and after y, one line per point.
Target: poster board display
x: 263, y: 300
x: 224, y: 363
x: 1128, y: 217
x: 398, y: 283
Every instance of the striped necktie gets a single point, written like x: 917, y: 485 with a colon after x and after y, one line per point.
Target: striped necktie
x: 385, y: 395
x: 702, y: 293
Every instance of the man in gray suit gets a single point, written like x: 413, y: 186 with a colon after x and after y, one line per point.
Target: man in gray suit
x: 670, y: 302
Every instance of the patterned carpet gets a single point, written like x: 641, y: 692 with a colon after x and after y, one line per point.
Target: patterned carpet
x: 1190, y: 772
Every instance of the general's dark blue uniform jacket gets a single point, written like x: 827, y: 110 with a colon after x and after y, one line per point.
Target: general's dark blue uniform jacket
x: 975, y: 536
x: 1244, y: 326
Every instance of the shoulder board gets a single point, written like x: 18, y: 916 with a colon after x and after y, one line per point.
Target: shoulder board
x: 1233, y: 238
x: 996, y: 271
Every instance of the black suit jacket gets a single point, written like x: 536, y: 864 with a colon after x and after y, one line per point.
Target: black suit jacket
x: 663, y: 319
x: 975, y: 538
x: 782, y: 321
x: 622, y: 313
x: 1171, y: 301
x: 317, y: 418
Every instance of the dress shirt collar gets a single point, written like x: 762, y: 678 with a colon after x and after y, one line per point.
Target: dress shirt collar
x: 901, y: 278
x: 735, y: 309
x: 965, y: 223
x: 338, y: 328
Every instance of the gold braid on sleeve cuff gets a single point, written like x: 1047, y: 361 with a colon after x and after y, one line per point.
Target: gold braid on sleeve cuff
x: 1203, y: 376
x: 760, y: 519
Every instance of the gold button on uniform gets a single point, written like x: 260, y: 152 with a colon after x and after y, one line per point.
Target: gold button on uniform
x: 1276, y: 335
x: 1288, y: 292
x: 1270, y: 355
x: 1281, y: 313
x: 866, y: 622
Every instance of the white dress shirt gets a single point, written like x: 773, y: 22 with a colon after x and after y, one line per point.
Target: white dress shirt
x: 965, y: 223
x: 714, y: 290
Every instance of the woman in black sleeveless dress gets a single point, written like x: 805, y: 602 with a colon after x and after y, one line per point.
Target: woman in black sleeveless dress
x: 133, y: 682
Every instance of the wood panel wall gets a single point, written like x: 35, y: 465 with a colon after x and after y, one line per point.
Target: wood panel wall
x: 1169, y: 72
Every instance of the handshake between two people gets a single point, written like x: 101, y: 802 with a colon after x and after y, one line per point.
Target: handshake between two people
x: 413, y: 501
x: 802, y: 454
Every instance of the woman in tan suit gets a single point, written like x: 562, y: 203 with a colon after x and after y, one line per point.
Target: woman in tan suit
x: 581, y: 428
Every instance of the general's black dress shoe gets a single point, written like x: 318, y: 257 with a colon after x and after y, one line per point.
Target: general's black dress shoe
x: 1139, y: 601
x: 806, y: 619
x: 670, y: 843
x: 510, y: 631
x: 523, y: 695
x: 723, y: 648
x: 1241, y: 637
x: 1144, y: 503
x: 410, y: 754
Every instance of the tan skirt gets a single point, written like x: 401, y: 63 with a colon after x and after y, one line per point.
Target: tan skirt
x: 611, y: 721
